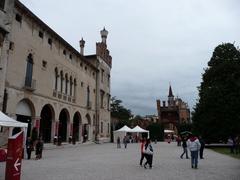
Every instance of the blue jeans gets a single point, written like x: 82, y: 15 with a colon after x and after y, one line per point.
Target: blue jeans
x: 194, y: 158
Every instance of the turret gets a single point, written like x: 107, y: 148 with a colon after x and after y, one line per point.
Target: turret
x: 104, y: 34
x: 82, y: 44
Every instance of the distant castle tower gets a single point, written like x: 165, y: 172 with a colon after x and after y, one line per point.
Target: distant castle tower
x: 170, y: 97
x: 176, y: 112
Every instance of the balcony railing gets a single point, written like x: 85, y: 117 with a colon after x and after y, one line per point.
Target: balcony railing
x: 54, y: 93
x: 30, y: 85
x: 89, y: 105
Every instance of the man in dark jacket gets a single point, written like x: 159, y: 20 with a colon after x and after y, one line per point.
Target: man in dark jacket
x: 184, y: 145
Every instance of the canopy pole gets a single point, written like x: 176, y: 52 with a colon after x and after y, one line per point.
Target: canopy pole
x: 10, y: 129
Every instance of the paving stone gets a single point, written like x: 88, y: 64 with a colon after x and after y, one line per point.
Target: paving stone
x: 106, y: 162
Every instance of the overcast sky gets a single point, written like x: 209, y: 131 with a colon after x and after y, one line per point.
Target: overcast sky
x: 152, y: 43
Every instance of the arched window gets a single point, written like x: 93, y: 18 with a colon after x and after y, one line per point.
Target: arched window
x: 75, y: 87
x: 56, y: 79
x: 71, y: 83
x: 66, y: 83
x: 88, y: 96
x: 29, y: 71
x: 61, y: 77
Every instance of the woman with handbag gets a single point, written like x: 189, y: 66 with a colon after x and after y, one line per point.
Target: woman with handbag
x: 148, y: 151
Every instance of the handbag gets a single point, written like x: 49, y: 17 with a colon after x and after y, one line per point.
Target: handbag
x: 148, y: 150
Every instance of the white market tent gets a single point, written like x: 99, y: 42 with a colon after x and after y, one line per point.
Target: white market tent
x: 9, y: 122
x: 6, y: 121
x: 125, y: 129
x: 121, y: 133
x: 138, y: 130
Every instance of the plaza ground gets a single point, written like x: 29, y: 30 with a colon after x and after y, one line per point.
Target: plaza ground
x: 106, y: 162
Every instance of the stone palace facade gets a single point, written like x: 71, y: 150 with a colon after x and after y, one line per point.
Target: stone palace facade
x: 47, y: 83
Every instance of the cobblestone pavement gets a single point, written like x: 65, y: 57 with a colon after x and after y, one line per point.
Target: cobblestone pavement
x: 106, y: 162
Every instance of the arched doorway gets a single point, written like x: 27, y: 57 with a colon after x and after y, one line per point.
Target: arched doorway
x: 24, y: 113
x: 46, y: 123
x: 63, y: 124
x: 76, y: 125
x: 86, y: 128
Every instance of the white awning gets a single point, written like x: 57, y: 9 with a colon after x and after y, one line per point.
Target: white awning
x: 124, y: 129
x: 168, y: 131
x: 9, y: 122
x: 139, y: 129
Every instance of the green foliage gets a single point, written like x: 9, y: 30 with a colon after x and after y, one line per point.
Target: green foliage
x: 156, y: 131
x: 118, y: 110
x: 216, y: 115
x: 184, y: 127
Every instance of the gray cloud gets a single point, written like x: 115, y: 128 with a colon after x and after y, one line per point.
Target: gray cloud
x: 152, y: 42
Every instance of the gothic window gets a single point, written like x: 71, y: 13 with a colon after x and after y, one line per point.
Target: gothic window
x: 101, y: 127
x: 56, y: 79
x: 71, y: 83
x: 29, y: 71
x: 2, y: 4
x: 66, y: 84
x: 101, y: 98
x: 88, y: 95
x: 108, y: 80
x: 102, y: 75
x: 75, y: 87
x: 61, y: 78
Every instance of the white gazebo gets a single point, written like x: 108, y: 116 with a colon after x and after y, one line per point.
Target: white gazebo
x: 121, y: 132
x: 125, y: 129
x: 138, y: 130
x: 6, y: 121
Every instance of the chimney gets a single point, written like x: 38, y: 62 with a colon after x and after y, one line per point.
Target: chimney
x: 104, y: 34
x: 82, y: 43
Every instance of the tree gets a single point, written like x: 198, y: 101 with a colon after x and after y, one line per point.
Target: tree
x: 156, y: 131
x: 118, y: 110
x: 216, y: 115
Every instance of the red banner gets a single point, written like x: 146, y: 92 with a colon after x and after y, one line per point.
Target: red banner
x: 14, y: 157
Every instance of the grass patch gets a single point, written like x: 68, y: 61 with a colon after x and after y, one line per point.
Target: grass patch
x: 226, y: 151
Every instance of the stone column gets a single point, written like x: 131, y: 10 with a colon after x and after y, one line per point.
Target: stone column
x: 3, y: 67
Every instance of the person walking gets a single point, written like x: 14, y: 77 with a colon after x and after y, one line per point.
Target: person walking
x: 237, y: 140
x: 29, y: 147
x: 148, y: 152
x: 194, y: 146
x: 142, y: 150
x: 184, y: 145
x: 118, y: 142
x: 125, y: 141
x: 231, y: 143
x: 39, y: 149
x: 202, y: 142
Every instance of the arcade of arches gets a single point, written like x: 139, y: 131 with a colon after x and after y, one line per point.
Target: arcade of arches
x: 48, y: 126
